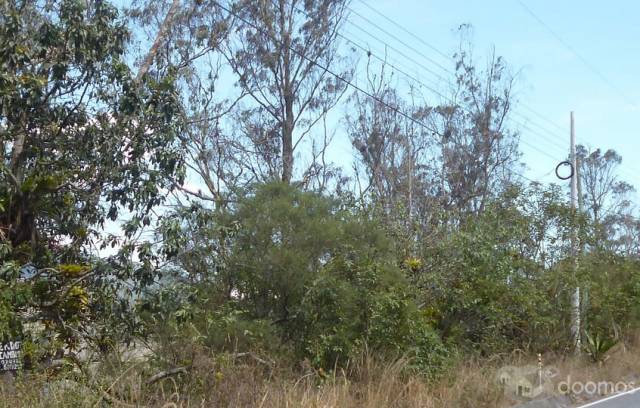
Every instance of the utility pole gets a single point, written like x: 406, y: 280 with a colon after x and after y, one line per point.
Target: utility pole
x: 575, y: 298
x: 584, y: 292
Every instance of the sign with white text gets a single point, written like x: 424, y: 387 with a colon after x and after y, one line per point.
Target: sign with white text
x: 11, y: 356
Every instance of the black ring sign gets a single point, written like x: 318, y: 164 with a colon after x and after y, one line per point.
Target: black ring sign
x: 564, y: 163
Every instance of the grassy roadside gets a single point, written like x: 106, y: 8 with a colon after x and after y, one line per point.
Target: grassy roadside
x: 251, y: 381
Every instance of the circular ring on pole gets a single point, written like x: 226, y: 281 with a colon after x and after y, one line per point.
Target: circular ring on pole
x: 565, y: 163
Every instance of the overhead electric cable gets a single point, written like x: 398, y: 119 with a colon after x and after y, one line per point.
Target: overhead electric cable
x: 402, y: 72
x: 422, y: 41
x: 430, y: 87
x: 582, y: 59
x: 558, y: 138
x: 347, y: 81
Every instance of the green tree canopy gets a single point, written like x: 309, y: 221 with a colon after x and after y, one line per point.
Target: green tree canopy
x: 82, y: 140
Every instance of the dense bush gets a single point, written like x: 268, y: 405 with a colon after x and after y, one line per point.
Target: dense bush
x: 489, y: 284
x: 357, y: 304
x: 611, y: 290
x: 283, y: 239
x: 305, y: 269
x: 297, y: 273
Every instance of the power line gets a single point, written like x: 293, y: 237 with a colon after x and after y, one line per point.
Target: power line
x: 582, y: 59
x: 555, y: 135
x: 448, y: 57
x: 344, y: 80
x: 542, y: 117
x: 402, y: 54
x: 423, y: 42
x: 430, y: 88
x: 386, y: 62
x: 402, y: 72
x: 405, y: 56
x: 552, y: 140
x: 413, y: 49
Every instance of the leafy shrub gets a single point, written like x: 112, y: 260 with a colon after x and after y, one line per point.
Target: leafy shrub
x: 178, y: 314
x: 611, y: 292
x: 298, y: 272
x: 487, y: 281
x: 361, y: 303
x: 283, y: 239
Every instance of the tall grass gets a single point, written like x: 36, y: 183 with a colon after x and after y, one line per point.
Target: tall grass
x: 212, y: 382
x: 251, y: 381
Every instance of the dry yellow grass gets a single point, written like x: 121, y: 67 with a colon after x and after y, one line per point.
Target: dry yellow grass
x: 245, y: 382
x: 367, y: 383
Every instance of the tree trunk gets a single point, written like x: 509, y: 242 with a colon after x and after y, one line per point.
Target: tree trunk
x: 287, y: 141
x: 288, y: 96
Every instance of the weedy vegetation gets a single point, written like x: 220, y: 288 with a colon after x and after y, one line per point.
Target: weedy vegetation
x: 175, y: 230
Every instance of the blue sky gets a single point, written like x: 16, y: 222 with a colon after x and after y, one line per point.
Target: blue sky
x: 553, y: 80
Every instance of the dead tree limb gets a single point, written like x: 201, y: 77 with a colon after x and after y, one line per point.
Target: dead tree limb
x: 168, y: 373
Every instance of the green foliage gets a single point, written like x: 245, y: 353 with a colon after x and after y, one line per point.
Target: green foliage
x: 299, y: 270
x: 487, y: 281
x: 324, y: 280
x: 336, y: 311
x: 283, y: 238
x: 611, y: 292
x: 178, y: 316
x: 230, y: 329
x: 325, y: 275
x: 82, y: 140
